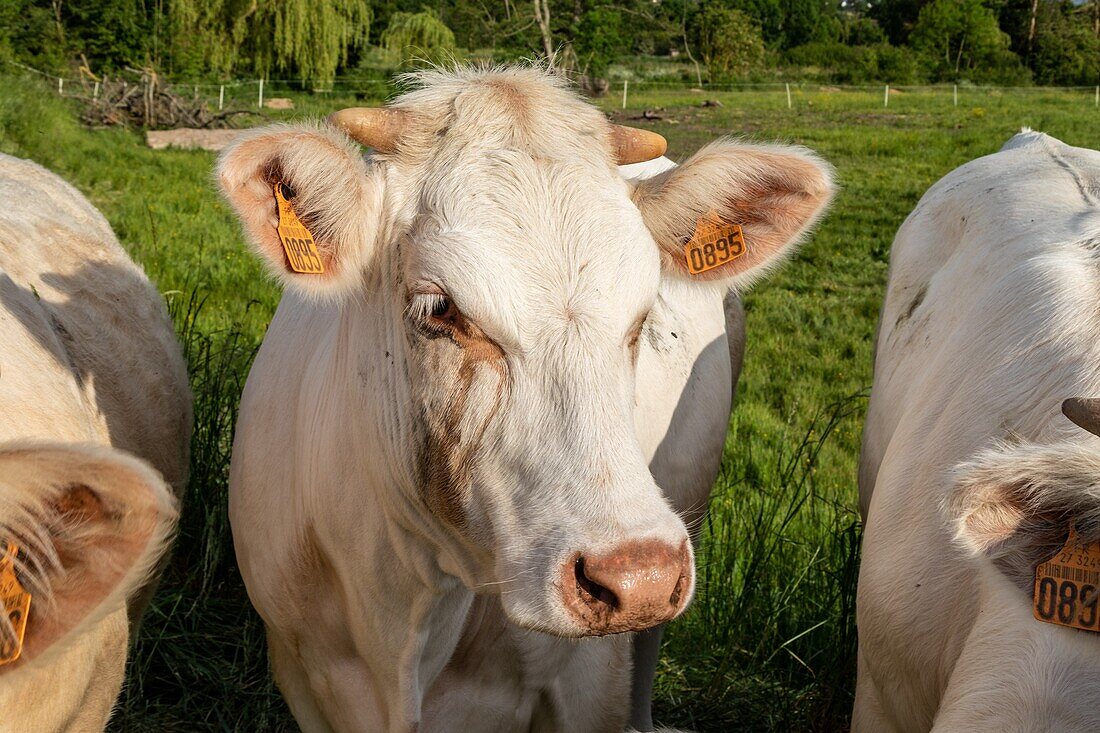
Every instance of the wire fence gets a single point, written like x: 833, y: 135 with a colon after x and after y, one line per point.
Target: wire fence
x: 255, y: 93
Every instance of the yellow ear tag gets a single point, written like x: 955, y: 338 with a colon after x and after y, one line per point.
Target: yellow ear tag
x: 714, y: 243
x: 301, y: 250
x: 16, y: 604
x: 1066, y: 586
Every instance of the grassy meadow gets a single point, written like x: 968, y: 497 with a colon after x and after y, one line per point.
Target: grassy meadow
x: 770, y: 641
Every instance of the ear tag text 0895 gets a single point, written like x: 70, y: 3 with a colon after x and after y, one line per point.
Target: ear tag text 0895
x: 714, y: 243
x: 1067, y: 586
x: 301, y: 250
x: 15, y: 602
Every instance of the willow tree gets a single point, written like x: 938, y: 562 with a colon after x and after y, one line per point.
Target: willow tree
x: 308, y: 38
x: 422, y: 36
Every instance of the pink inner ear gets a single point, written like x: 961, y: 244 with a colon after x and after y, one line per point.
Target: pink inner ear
x: 329, y: 181
x: 773, y: 193
x: 97, y: 545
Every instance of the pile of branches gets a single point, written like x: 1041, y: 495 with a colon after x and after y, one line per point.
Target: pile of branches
x: 142, y: 100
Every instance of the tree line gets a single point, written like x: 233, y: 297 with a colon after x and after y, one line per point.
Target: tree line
x: 1009, y: 42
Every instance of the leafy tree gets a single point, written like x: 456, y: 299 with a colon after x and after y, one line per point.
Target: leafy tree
x: 769, y: 16
x: 30, y: 35
x: 418, y: 37
x: 599, y: 40
x: 728, y: 41
x: 311, y: 38
x: 1066, y: 50
x: 961, y: 38
x: 800, y: 21
x: 897, y: 18
x: 861, y: 31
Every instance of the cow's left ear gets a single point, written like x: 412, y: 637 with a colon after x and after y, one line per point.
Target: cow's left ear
x: 773, y: 193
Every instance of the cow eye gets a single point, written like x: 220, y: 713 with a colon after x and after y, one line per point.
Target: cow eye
x: 435, y: 311
x: 441, y: 308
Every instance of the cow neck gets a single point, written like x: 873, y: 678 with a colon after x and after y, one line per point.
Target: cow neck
x: 379, y: 321
x: 408, y: 608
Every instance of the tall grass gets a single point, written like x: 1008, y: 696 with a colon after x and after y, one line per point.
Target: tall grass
x: 200, y: 662
x: 774, y: 617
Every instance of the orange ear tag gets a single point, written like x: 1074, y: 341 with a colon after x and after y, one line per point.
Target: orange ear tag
x: 1067, y: 586
x: 301, y: 250
x: 714, y: 243
x: 15, y: 602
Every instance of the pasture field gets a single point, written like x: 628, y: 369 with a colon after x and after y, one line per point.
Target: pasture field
x: 770, y: 642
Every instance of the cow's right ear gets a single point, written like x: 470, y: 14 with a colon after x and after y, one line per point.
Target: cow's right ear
x: 1014, y: 504
x: 88, y: 524
x: 332, y: 191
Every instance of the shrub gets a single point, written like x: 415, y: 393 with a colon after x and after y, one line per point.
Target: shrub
x: 859, y: 64
x: 729, y: 41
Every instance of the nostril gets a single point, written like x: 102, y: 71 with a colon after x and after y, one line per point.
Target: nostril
x: 591, y: 587
x: 674, y: 599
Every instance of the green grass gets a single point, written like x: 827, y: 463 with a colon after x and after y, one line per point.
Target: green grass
x: 769, y: 644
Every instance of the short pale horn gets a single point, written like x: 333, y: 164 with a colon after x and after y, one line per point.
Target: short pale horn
x: 375, y: 127
x: 633, y: 145
x: 380, y: 128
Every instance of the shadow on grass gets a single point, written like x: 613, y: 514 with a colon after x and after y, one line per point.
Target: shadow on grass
x: 770, y: 641
x: 200, y: 661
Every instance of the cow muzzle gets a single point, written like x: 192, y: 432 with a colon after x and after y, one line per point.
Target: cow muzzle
x: 635, y: 586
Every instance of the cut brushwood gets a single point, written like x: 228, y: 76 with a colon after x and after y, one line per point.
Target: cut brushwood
x: 139, y: 99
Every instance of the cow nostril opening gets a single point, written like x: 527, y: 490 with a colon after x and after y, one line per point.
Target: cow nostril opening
x: 674, y: 599
x: 590, y: 587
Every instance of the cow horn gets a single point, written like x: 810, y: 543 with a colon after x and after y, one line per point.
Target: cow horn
x: 633, y: 145
x: 375, y: 127
x: 380, y: 128
x: 1084, y: 411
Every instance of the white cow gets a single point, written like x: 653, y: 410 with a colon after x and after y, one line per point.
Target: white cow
x: 444, y: 466
x: 970, y: 473
x: 89, y: 364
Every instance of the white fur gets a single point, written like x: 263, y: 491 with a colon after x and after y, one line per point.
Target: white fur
x: 89, y: 364
x: 502, y: 193
x: 990, y: 321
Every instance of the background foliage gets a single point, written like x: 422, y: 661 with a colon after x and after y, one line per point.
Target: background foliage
x: 1008, y: 42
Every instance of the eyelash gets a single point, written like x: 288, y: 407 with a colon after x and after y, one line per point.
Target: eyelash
x: 432, y: 310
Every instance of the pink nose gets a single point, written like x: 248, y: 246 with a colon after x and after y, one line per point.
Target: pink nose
x: 633, y: 587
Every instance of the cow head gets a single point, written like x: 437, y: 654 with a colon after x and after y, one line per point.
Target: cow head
x: 89, y: 523
x: 515, y: 269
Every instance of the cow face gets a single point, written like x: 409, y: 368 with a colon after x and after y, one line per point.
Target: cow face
x: 519, y: 268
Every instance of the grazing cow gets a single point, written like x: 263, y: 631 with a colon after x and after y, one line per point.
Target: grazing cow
x: 970, y: 475
x: 449, y: 439
x: 89, y: 365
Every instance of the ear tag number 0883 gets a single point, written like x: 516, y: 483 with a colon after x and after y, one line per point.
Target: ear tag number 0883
x: 714, y: 243
x: 15, y: 603
x: 1067, y: 586
x: 301, y: 250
